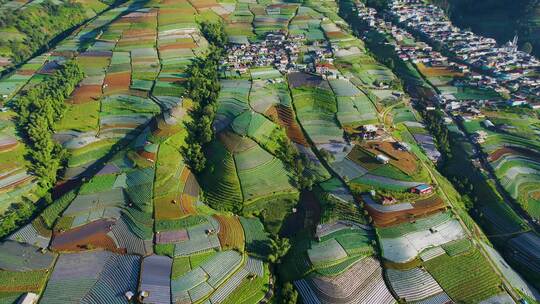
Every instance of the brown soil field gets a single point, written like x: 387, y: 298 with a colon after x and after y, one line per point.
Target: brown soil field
x: 239, y: 25
x: 137, y: 93
x: 421, y: 209
x: 89, y: 236
x: 335, y: 35
x: 284, y: 116
x: 117, y: 82
x: 68, y: 54
x: 257, y: 10
x: 231, y: 233
x: 26, y: 72
x: 187, y: 204
x: 148, y: 155
x: 495, y: 155
x: 535, y: 195
x: 201, y: 4
x: 85, y: 93
x: 180, y: 45
x: 184, y: 175
x: 436, y: 71
x: 403, y: 160
x: 138, y: 32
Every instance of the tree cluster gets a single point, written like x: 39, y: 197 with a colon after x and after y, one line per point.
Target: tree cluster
x: 16, y: 215
x: 214, y: 32
x: 297, y: 163
x: 434, y: 121
x: 39, y: 108
x: 203, y: 88
x: 39, y: 24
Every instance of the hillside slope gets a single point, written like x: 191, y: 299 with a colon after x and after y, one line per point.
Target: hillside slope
x: 500, y: 19
x: 27, y: 27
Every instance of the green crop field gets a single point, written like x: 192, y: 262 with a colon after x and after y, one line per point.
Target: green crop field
x: 222, y: 184
x: 466, y: 278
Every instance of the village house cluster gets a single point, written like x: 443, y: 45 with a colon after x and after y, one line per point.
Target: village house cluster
x: 511, y: 69
x: 277, y: 50
x: 281, y: 51
x: 417, y: 52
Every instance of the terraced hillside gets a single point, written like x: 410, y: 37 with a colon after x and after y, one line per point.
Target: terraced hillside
x: 28, y: 27
x: 511, y: 152
x: 522, y: 19
x: 243, y: 154
x: 137, y: 217
x: 198, y: 177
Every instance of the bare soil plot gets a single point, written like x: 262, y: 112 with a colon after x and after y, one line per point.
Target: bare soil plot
x: 117, y: 82
x: 421, y: 208
x: 176, y: 46
x: 85, y: 93
x: 437, y: 71
x: 284, y: 116
x: 92, y: 235
x: 403, y: 160
x: 497, y: 154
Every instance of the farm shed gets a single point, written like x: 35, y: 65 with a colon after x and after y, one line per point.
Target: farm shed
x: 422, y: 189
x: 488, y: 124
x: 383, y: 158
x: 29, y: 298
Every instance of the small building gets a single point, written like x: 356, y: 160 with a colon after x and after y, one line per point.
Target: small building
x: 517, y: 102
x: 403, y: 146
x: 422, y: 189
x: 29, y: 298
x: 370, y: 128
x: 382, y: 158
x: 488, y: 124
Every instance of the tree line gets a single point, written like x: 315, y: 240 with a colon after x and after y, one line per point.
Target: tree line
x: 202, y: 88
x: 38, y: 109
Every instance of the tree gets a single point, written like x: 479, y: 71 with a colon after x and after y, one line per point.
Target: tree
x: 278, y: 249
x: 214, y: 32
x: 527, y: 47
x: 390, y: 63
x: 287, y: 294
